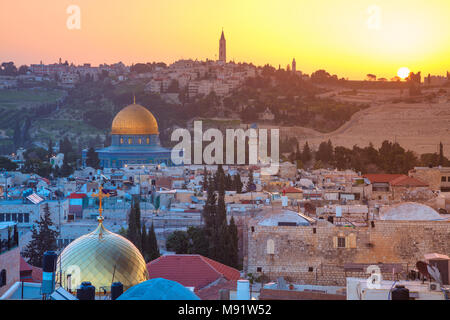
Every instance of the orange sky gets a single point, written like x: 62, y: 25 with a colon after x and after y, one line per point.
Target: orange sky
x: 329, y: 34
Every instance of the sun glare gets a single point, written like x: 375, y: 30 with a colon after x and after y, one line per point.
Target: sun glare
x: 403, y: 72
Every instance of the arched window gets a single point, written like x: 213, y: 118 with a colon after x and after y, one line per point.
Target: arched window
x: 148, y: 140
x: 270, y: 246
x: 130, y: 140
x: 140, y: 141
x: 121, y: 140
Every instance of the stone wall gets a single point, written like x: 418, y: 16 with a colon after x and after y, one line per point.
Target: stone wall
x: 432, y: 176
x: 312, y: 254
x: 10, y: 261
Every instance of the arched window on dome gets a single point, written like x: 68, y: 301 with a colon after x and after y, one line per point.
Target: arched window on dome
x: 140, y: 141
x: 121, y: 140
x: 148, y: 140
x: 130, y: 141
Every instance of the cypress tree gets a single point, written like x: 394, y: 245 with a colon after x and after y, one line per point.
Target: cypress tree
x: 144, y: 242
x: 92, y: 159
x: 209, y: 208
x: 66, y: 169
x: 134, y: 225
x: 50, y: 149
x: 250, y: 180
x: 138, y: 223
x: 233, y: 245
x: 306, y: 154
x: 43, y: 239
x: 205, y: 180
x: 152, y: 245
x: 221, y: 230
x: 237, y: 183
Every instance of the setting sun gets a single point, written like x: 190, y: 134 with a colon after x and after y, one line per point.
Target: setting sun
x: 403, y: 72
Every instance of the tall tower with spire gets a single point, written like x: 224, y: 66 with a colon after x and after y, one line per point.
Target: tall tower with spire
x: 294, y: 66
x: 222, y: 48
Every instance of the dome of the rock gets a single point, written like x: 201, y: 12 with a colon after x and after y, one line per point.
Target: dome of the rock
x: 134, y: 119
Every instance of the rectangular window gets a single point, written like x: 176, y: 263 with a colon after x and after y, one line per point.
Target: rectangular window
x: 20, y: 217
x: 341, y: 242
x: 14, y: 217
x: 258, y: 269
x: 8, y: 217
x: 443, y: 179
x: 2, y: 217
x: 26, y: 217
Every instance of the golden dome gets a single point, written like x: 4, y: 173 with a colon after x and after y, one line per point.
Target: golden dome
x: 99, y: 256
x: 134, y: 119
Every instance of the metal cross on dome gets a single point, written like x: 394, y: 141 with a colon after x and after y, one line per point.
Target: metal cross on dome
x: 100, y: 195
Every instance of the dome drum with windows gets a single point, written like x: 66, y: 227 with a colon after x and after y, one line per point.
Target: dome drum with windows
x: 134, y: 140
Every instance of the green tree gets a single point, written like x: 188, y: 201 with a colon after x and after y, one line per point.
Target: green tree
x: 152, y: 245
x: 43, y: 239
x: 198, y: 242
x: 233, y: 245
x: 66, y: 169
x: 134, y: 224
x: 178, y: 242
x: 7, y: 164
x: 205, y: 179
x: 49, y: 149
x: 220, y: 226
x: 250, y: 181
x: 92, y: 159
x: 237, y: 183
x: 144, y: 242
x: 306, y: 154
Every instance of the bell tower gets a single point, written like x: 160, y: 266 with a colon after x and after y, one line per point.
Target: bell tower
x: 222, y: 48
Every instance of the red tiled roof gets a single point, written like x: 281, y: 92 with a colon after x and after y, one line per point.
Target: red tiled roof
x: 190, y: 270
x: 382, y: 177
x: 77, y: 195
x: 29, y: 273
x: 408, y: 181
x: 212, y: 292
x: 293, y: 190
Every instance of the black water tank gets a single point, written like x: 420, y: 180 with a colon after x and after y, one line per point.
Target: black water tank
x: 86, y: 291
x: 116, y: 290
x: 330, y: 219
x: 400, y: 293
x: 49, y: 261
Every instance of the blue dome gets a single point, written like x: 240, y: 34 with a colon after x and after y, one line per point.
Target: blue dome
x: 158, y: 289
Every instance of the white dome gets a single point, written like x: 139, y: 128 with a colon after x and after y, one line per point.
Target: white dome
x: 410, y: 211
x: 284, y: 217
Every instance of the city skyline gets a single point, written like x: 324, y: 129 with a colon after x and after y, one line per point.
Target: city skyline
x: 357, y: 38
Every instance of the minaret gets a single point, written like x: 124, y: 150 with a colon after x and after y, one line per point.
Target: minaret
x: 294, y: 66
x: 222, y: 48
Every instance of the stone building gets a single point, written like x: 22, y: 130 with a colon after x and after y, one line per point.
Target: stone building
x: 438, y: 178
x: 318, y: 252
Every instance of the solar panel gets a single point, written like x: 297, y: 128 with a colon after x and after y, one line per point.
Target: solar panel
x: 34, y: 198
